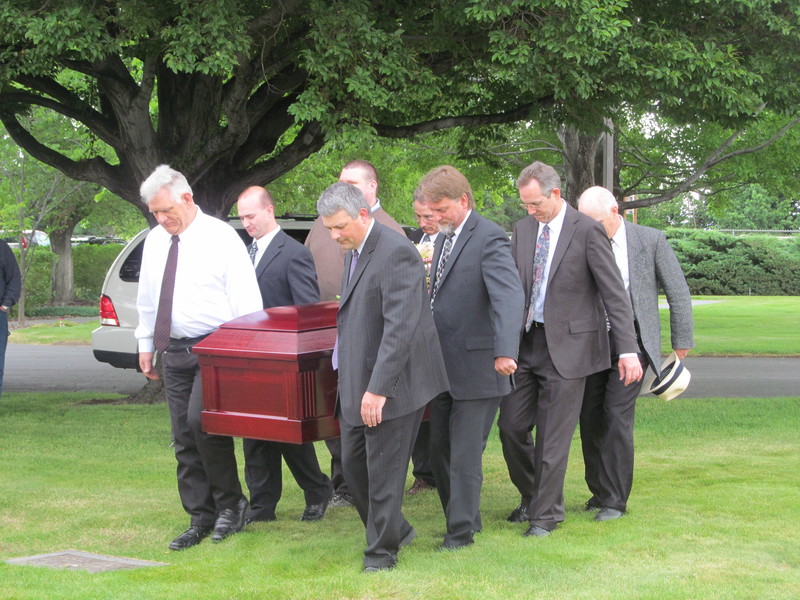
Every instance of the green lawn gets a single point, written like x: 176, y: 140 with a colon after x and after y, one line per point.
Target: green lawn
x: 745, y: 325
x: 65, y: 332
x: 715, y: 514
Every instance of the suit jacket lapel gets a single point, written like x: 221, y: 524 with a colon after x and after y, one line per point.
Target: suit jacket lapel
x: 272, y: 251
x: 568, y: 229
x: 363, y: 260
x: 461, y: 240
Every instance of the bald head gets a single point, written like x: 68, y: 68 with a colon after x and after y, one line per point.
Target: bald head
x: 599, y: 204
x: 257, y: 211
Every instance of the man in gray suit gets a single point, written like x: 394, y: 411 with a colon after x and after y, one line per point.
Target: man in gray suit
x: 389, y: 362
x: 329, y: 258
x: 571, y: 283
x: 286, y: 276
x: 646, y: 263
x: 476, y: 299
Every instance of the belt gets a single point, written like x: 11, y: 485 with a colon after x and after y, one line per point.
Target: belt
x: 537, y: 325
x: 186, y: 343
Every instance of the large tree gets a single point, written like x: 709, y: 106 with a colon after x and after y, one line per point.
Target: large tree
x: 237, y: 92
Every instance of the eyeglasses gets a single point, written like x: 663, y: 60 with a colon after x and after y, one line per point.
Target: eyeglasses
x: 531, y: 204
x: 424, y: 218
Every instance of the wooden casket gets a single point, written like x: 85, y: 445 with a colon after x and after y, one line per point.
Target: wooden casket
x: 268, y: 375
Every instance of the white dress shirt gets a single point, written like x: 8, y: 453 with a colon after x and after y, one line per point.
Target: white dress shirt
x: 215, y: 280
x: 619, y: 244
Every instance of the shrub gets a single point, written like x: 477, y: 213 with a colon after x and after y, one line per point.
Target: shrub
x: 722, y: 264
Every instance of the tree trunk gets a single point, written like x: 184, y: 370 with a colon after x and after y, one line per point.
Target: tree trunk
x: 62, y: 280
x: 152, y: 392
x: 580, y: 163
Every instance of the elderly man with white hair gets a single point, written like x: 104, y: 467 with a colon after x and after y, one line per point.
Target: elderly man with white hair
x: 196, y: 274
x: 646, y: 263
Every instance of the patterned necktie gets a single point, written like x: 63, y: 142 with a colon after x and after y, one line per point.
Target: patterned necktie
x: 335, y: 357
x: 253, y: 251
x: 448, y: 247
x: 539, y: 263
x: 163, y: 325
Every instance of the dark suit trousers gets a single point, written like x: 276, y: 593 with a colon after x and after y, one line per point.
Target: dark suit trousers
x: 337, y: 476
x: 375, y: 462
x: 459, y: 430
x: 421, y: 455
x: 208, y: 480
x: 551, y: 404
x: 607, y: 418
x: 263, y: 474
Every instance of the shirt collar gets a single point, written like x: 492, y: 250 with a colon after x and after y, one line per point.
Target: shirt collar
x: 360, y: 248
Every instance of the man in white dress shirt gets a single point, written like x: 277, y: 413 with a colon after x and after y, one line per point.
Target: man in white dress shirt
x: 207, y: 266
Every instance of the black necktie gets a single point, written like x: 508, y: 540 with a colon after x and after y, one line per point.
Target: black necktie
x: 163, y: 325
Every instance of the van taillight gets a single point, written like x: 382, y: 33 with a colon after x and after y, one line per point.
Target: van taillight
x: 108, y: 316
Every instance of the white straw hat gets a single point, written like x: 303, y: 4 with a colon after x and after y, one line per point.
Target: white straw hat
x: 673, y: 379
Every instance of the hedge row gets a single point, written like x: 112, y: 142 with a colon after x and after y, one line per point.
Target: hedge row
x: 720, y: 264
x: 89, y: 266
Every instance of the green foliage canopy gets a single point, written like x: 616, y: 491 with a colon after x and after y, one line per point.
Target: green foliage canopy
x: 238, y: 92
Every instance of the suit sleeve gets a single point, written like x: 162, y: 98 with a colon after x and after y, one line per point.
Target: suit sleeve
x: 502, y: 282
x: 401, y: 285
x: 670, y: 276
x: 302, y: 276
x: 615, y: 299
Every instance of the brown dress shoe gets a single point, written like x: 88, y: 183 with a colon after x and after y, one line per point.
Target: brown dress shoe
x: 420, y: 485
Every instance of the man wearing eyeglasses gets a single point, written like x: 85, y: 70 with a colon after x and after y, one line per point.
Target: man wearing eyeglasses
x: 571, y: 283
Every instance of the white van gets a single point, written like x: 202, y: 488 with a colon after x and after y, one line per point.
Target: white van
x: 113, y: 342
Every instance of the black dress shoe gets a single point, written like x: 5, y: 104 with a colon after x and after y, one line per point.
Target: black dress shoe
x: 536, y: 531
x: 608, y: 514
x: 592, y: 504
x: 377, y: 568
x: 256, y: 518
x: 340, y: 499
x: 230, y: 521
x: 191, y: 537
x: 519, y: 514
x: 314, y: 512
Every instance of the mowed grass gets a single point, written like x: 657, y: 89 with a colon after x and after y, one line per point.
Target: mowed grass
x: 715, y: 514
x: 742, y: 326
x: 64, y: 332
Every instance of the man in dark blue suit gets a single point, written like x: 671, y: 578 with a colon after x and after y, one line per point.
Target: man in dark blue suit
x: 286, y: 276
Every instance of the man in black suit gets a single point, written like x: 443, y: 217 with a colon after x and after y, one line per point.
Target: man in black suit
x: 286, y: 276
x: 389, y: 362
x: 476, y: 297
x: 421, y: 455
x: 571, y: 286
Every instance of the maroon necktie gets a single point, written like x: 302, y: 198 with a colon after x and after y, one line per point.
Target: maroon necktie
x: 163, y: 325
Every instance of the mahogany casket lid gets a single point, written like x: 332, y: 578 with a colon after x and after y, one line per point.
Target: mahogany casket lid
x: 282, y: 333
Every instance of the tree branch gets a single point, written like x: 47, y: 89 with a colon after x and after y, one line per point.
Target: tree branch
x: 518, y: 114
